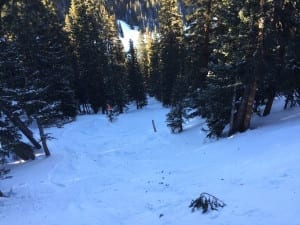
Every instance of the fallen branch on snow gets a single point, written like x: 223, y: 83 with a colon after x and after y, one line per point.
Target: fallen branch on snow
x: 205, y: 202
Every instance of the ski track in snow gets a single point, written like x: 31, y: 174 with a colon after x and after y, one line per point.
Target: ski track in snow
x: 122, y: 173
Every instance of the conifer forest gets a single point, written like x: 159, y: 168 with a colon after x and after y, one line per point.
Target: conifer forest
x: 220, y: 60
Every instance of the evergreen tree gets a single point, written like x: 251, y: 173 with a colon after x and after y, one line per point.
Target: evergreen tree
x: 216, y: 100
x: 99, y: 59
x: 253, y: 66
x: 9, y: 135
x: 136, y: 90
x: 11, y: 77
x: 171, y: 35
x: 143, y: 57
x: 245, y: 42
x: 199, y: 31
x: 179, y: 108
x: 154, y: 81
x: 85, y: 26
x: 282, y: 58
x: 116, y: 85
x: 44, y: 89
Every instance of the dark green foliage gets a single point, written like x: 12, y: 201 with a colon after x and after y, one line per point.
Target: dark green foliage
x: 35, y: 74
x: 154, y: 80
x: 175, y: 118
x: 215, y: 102
x: 252, y: 43
x: 10, y: 77
x: 179, y: 108
x: 142, y: 13
x: 84, y: 26
x: 143, y: 57
x: 116, y: 84
x: 44, y: 90
x: 170, y: 66
x: 23, y: 150
x: 245, y: 41
x: 9, y: 137
x: 98, y: 55
x: 137, y: 90
x: 197, y: 41
x: 171, y: 47
x: 206, y: 202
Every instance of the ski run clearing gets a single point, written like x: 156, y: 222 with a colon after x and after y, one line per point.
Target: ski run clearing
x: 123, y: 173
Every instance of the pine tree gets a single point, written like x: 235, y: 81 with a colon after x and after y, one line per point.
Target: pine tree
x: 9, y: 135
x: 59, y: 73
x: 171, y: 36
x: 154, y: 81
x: 137, y: 91
x: 116, y: 85
x: 253, y: 66
x: 11, y: 80
x: 44, y: 89
x: 281, y: 35
x: 179, y: 108
x: 98, y: 55
x: 143, y: 56
x: 204, y: 26
x: 197, y: 41
x: 85, y: 26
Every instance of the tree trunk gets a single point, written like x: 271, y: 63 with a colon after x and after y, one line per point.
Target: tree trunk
x: 249, y: 107
x: 232, y: 113
x: 43, y: 138
x: 23, y: 128
x: 241, y: 112
x: 269, y: 104
x: 242, y: 121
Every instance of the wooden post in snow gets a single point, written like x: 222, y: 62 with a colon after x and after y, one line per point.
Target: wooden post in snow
x: 154, y: 127
x: 43, y: 138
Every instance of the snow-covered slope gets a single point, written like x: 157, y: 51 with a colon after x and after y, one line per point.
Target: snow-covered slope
x: 129, y: 34
x: 122, y: 173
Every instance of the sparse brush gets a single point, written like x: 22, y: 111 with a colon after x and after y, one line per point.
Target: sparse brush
x: 205, y: 202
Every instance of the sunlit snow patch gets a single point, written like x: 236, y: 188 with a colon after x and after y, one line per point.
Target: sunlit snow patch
x: 129, y: 33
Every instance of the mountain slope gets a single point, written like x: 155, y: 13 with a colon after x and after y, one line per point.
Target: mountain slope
x: 124, y: 173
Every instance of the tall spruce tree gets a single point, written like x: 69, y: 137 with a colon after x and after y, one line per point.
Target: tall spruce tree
x: 45, y: 88
x: 171, y: 40
x: 143, y: 55
x: 98, y: 55
x: 253, y: 67
x: 197, y: 41
x: 84, y: 27
x: 154, y: 81
x: 137, y: 90
x: 9, y: 135
x: 282, y: 52
x: 11, y: 87
x: 246, y: 43
x: 179, y: 107
x: 116, y: 84
x: 205, y: 63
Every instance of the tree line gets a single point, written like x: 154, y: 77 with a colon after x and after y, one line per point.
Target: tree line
x: 224, y: 60
x: 51, y: 70
x: 218, y: 60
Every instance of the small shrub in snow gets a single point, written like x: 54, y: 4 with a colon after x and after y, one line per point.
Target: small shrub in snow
x: 206, y: 202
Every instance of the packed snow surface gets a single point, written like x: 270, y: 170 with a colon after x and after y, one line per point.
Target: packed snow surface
x: 123, y: 173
